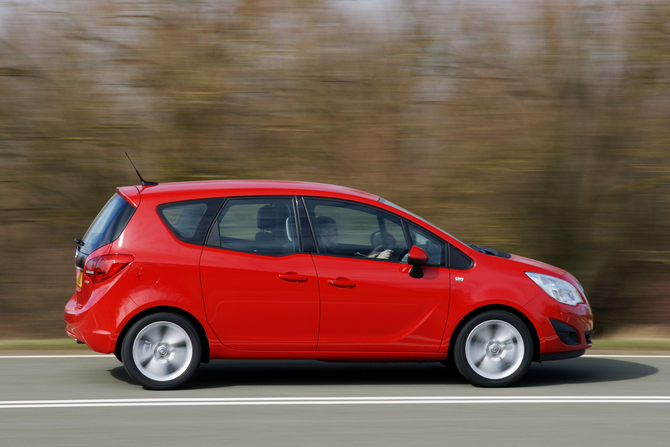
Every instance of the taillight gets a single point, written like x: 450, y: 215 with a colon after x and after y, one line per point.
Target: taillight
x: 104, y: 267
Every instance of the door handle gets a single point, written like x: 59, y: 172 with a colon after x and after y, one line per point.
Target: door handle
x: 292, y: 277
x: 342, y: 282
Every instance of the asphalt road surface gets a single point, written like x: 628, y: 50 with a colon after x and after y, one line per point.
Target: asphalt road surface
x: 90, y: 401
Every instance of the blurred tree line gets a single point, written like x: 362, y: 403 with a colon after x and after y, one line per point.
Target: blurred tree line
x: 541, y: 129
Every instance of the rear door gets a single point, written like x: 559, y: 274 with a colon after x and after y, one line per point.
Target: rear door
x: 260, y: 290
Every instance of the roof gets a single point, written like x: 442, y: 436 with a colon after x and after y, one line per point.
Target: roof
x: 228, y: 188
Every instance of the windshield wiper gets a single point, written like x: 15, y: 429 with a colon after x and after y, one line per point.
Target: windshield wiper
x: 485, y: 250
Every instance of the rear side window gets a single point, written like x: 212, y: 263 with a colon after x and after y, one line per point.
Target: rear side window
x: 190, y: 220
x: 108, y: 225
x: 262, y: 226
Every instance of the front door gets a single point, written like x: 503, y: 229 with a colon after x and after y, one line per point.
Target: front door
x: 368, y: 300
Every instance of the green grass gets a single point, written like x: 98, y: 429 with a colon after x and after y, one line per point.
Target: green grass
x: 47, y: 344
x: 650, y: 344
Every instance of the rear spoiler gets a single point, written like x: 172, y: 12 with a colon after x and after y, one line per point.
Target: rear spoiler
x: 131, y: 194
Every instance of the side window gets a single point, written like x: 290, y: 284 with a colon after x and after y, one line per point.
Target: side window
x: 189, y: 220
x: 264, y: 226
x: 458, y: 260
x: 348, y: 229
x: 429, y: 243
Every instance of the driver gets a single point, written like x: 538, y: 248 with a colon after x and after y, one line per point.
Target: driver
x: 329, y: 234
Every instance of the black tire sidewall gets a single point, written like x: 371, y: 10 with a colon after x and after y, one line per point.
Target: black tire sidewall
x: 127, y: 351
x: 464, y: 367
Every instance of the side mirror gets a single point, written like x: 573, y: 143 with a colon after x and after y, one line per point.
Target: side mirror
x: 417, y: 259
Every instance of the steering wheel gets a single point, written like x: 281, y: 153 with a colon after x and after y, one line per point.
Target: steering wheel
x: 383, y: 238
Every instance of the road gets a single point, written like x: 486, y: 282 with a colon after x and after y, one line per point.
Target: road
x: 90, y: 400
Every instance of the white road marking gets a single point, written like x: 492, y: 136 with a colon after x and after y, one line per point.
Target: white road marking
x: 242, y: 401
x: 632, y: 356
x: 62, y: 356
x: 107, y: 356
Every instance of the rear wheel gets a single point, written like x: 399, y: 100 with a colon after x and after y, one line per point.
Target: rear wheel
x: 494, y: 349
x: 161, y: 351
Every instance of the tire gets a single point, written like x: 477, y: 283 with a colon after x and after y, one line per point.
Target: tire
x: 494, y: 349
x: 161, y: 351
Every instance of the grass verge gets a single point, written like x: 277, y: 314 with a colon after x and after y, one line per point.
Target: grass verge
x: 49, y: 344
x: 650, y: 344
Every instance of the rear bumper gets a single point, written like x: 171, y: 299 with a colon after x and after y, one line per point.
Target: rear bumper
x: 94, y: 325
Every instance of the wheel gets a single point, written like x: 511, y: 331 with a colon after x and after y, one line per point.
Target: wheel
x: 161, y: 351
x: 494, y: 349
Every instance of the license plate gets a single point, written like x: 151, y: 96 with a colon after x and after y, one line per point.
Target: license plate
x: 80, y: 277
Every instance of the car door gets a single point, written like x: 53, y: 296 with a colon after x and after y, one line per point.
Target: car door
x: 369, y: 303
x: 260, y: 291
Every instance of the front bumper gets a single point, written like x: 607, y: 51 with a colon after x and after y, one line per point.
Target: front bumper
x: 563, y: 331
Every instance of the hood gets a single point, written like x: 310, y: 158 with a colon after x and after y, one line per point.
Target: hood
x: 534, y: 266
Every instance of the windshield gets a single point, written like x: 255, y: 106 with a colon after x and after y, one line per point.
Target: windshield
x: 109, y: 224
x: 386, y: 202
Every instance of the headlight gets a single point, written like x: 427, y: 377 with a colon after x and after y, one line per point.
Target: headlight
x: 560, y: 290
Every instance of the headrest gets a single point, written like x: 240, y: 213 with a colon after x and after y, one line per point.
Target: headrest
x: 267, y: 218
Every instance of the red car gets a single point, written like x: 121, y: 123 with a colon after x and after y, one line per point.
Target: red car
x: 172, y: 275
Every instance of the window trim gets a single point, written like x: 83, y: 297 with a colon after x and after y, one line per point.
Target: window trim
x: 304, y: 214
x: 446, y: 245
x: 212, y: 225
x: 307, y: 235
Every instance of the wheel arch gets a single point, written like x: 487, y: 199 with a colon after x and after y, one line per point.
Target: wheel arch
x: 501, y: 307
x: 175, y: 310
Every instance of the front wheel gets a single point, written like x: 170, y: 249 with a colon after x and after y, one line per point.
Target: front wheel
x: 494, y: 349
x: 161, y: 351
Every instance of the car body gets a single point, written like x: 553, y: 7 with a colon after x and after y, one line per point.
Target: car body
x: 172, y: 275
